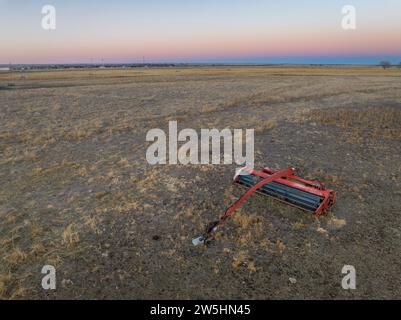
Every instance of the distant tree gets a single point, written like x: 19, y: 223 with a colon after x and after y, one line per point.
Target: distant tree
x: 399, y: 65
x: 385, y: 64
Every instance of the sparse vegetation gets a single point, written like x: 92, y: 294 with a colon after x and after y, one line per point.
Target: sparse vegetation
x: 70, y: 236
x: 265, y: 125
x: 372, y: 122
x: 339, y: 223
x: 79, y: 195
x: 16, y: 256
x: 4, y: 281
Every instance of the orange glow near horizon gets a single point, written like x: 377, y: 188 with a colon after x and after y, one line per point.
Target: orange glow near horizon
x: 186, y: 34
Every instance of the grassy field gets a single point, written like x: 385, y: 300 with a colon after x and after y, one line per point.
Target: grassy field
x: 78, y: 193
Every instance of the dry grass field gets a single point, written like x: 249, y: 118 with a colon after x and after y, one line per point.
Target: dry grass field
x: 77, y: 192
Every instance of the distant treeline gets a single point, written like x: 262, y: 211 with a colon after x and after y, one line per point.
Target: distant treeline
x: 79, y: 66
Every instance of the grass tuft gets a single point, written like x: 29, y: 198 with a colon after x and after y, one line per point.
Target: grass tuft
x: 70, y: 236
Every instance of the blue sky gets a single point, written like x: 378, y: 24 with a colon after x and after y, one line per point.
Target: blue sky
x: 235, y: 31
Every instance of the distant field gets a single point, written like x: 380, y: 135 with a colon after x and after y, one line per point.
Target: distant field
x: 207, y: 70
x: 77, y: 192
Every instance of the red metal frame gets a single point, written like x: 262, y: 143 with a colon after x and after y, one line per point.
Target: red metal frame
x: 266, y: 179
x: 329, y: 196
x: 286, y: 177
x: 212, y: 228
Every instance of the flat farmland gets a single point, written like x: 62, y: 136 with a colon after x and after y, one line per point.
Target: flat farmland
x: 78, y: 193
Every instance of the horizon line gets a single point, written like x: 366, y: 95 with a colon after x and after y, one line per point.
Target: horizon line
x: 192, y: 64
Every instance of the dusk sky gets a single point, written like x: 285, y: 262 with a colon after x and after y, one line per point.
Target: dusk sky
x: 204, y: 31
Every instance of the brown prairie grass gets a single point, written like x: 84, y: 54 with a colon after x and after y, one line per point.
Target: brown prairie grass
x: 118, y: 202
x: 245, y: 221
x: 83, y: 130
x: 76, y: 134
x: 242, y: 259
x: 11, y: 218
x: 19, y: 293
x: 280, y: 246
x: 4, y: 281
x: 299, y: 225
x: 30, y: 156
x: 339, y: 223
x: 209, y: 109
x: 372, y: 122
x: 258, y: 99
x: 93, y: 223
x: 322, y: 231
x: 266, y: 125
x: 38, y: 249
x: 57, y: 168
x: 85, y: 74
x: 36, y: 230
x: 16, y: 256
x: 323, y: 176
x: 124, y: 163
x: 70, y: 236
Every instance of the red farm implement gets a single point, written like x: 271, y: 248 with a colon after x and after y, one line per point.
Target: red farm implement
x: 284, y: 186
